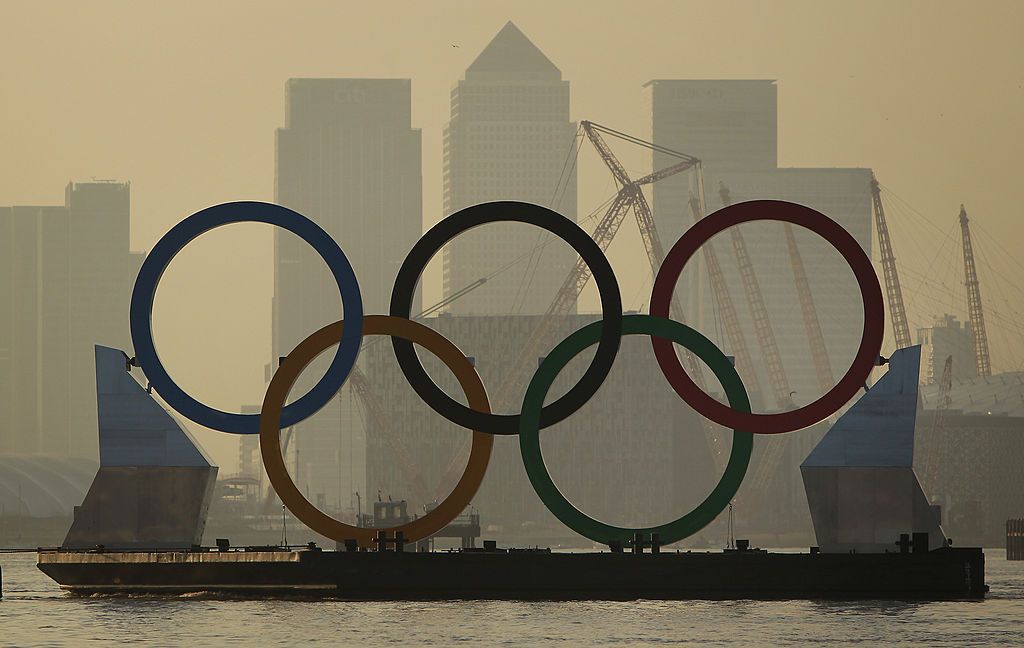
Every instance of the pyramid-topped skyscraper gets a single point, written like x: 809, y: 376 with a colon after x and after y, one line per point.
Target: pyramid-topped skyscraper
x: 508, y: 139
x: 511, y: 54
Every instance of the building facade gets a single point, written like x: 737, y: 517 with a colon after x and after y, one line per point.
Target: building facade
x: 946, y: 337
x: 969, y: 458
x: 65, y: 285
x: 510, y: 138
x: 349, y: 159
x: 633, y: 455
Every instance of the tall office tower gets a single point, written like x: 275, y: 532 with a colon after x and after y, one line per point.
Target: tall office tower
x: 34, y: 328
x: 349, y: 159
x: 65, y: 285
x: 509, y: 138
x: 101, y: 273
x: 731, y: 126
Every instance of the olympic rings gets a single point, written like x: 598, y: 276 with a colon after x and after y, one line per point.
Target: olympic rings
x: 568, y: 231
x: 281, y: 384
x: 177, y: 238
x: 533, y: 460
x: 871, y: 295
x: 534, y: 416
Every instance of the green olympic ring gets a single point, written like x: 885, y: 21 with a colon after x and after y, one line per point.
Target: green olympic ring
x: 533, y: 460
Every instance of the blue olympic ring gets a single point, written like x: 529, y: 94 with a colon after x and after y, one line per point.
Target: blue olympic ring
x: 181, y: 235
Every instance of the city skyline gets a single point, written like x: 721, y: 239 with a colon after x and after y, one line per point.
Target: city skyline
x: 527, y: 323
x: 214, y: 175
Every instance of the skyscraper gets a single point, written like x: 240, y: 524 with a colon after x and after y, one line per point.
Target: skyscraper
x: 349, y: 159
x: 101, y: 273
x: 731, y: 126
x: 509, y: 138
x: 65, y: 285
x: 33, y: 297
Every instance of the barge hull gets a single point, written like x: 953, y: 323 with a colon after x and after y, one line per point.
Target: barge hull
x: 949, y: 574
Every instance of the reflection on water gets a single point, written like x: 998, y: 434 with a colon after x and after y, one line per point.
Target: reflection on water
x: 35, y: 612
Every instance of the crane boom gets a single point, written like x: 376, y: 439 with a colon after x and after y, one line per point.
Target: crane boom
x: 645, y: 219
x: 727, y: 309
x: 759, y: 312
x: 897, y: 311
x: 773, y: 446
x: 979, y: 335
x: 819, y: 354
x: 618, y: 171
x: 627, y: 197
x: 450, y: 298
x: 561, y: 305
x: 655, y: 250
x: 656, y: 255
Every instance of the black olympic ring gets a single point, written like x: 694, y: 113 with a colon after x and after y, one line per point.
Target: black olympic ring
x: 560, y: 226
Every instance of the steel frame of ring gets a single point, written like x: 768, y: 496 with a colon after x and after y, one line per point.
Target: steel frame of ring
x: 182, y: 234
x: 568, y: 231
x: 871, y: 295
x: 288, y: 373
x: 533, y: 460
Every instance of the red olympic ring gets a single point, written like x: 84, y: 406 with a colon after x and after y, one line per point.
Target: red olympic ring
x: 871, y: 295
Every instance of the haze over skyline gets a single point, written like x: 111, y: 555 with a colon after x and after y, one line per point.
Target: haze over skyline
x: 184, y: 105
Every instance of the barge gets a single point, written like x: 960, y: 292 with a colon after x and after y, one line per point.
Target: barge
x: 137, y: 532
x: 529, y: 574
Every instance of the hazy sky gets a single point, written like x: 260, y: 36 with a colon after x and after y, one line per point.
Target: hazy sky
x: 182, y: 99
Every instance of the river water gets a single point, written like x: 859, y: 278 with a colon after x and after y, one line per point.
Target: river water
x: 35, y: 612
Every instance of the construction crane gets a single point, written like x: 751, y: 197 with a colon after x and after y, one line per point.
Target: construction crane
x: 897, y: 311
x: 759, y: 312
x: 452, y: 297
x: 812, y: 327
x: 629, y: 196
x: 773, y: 446
x: 727, y: 310
x: 979, y: 336
x: 652, y: 241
